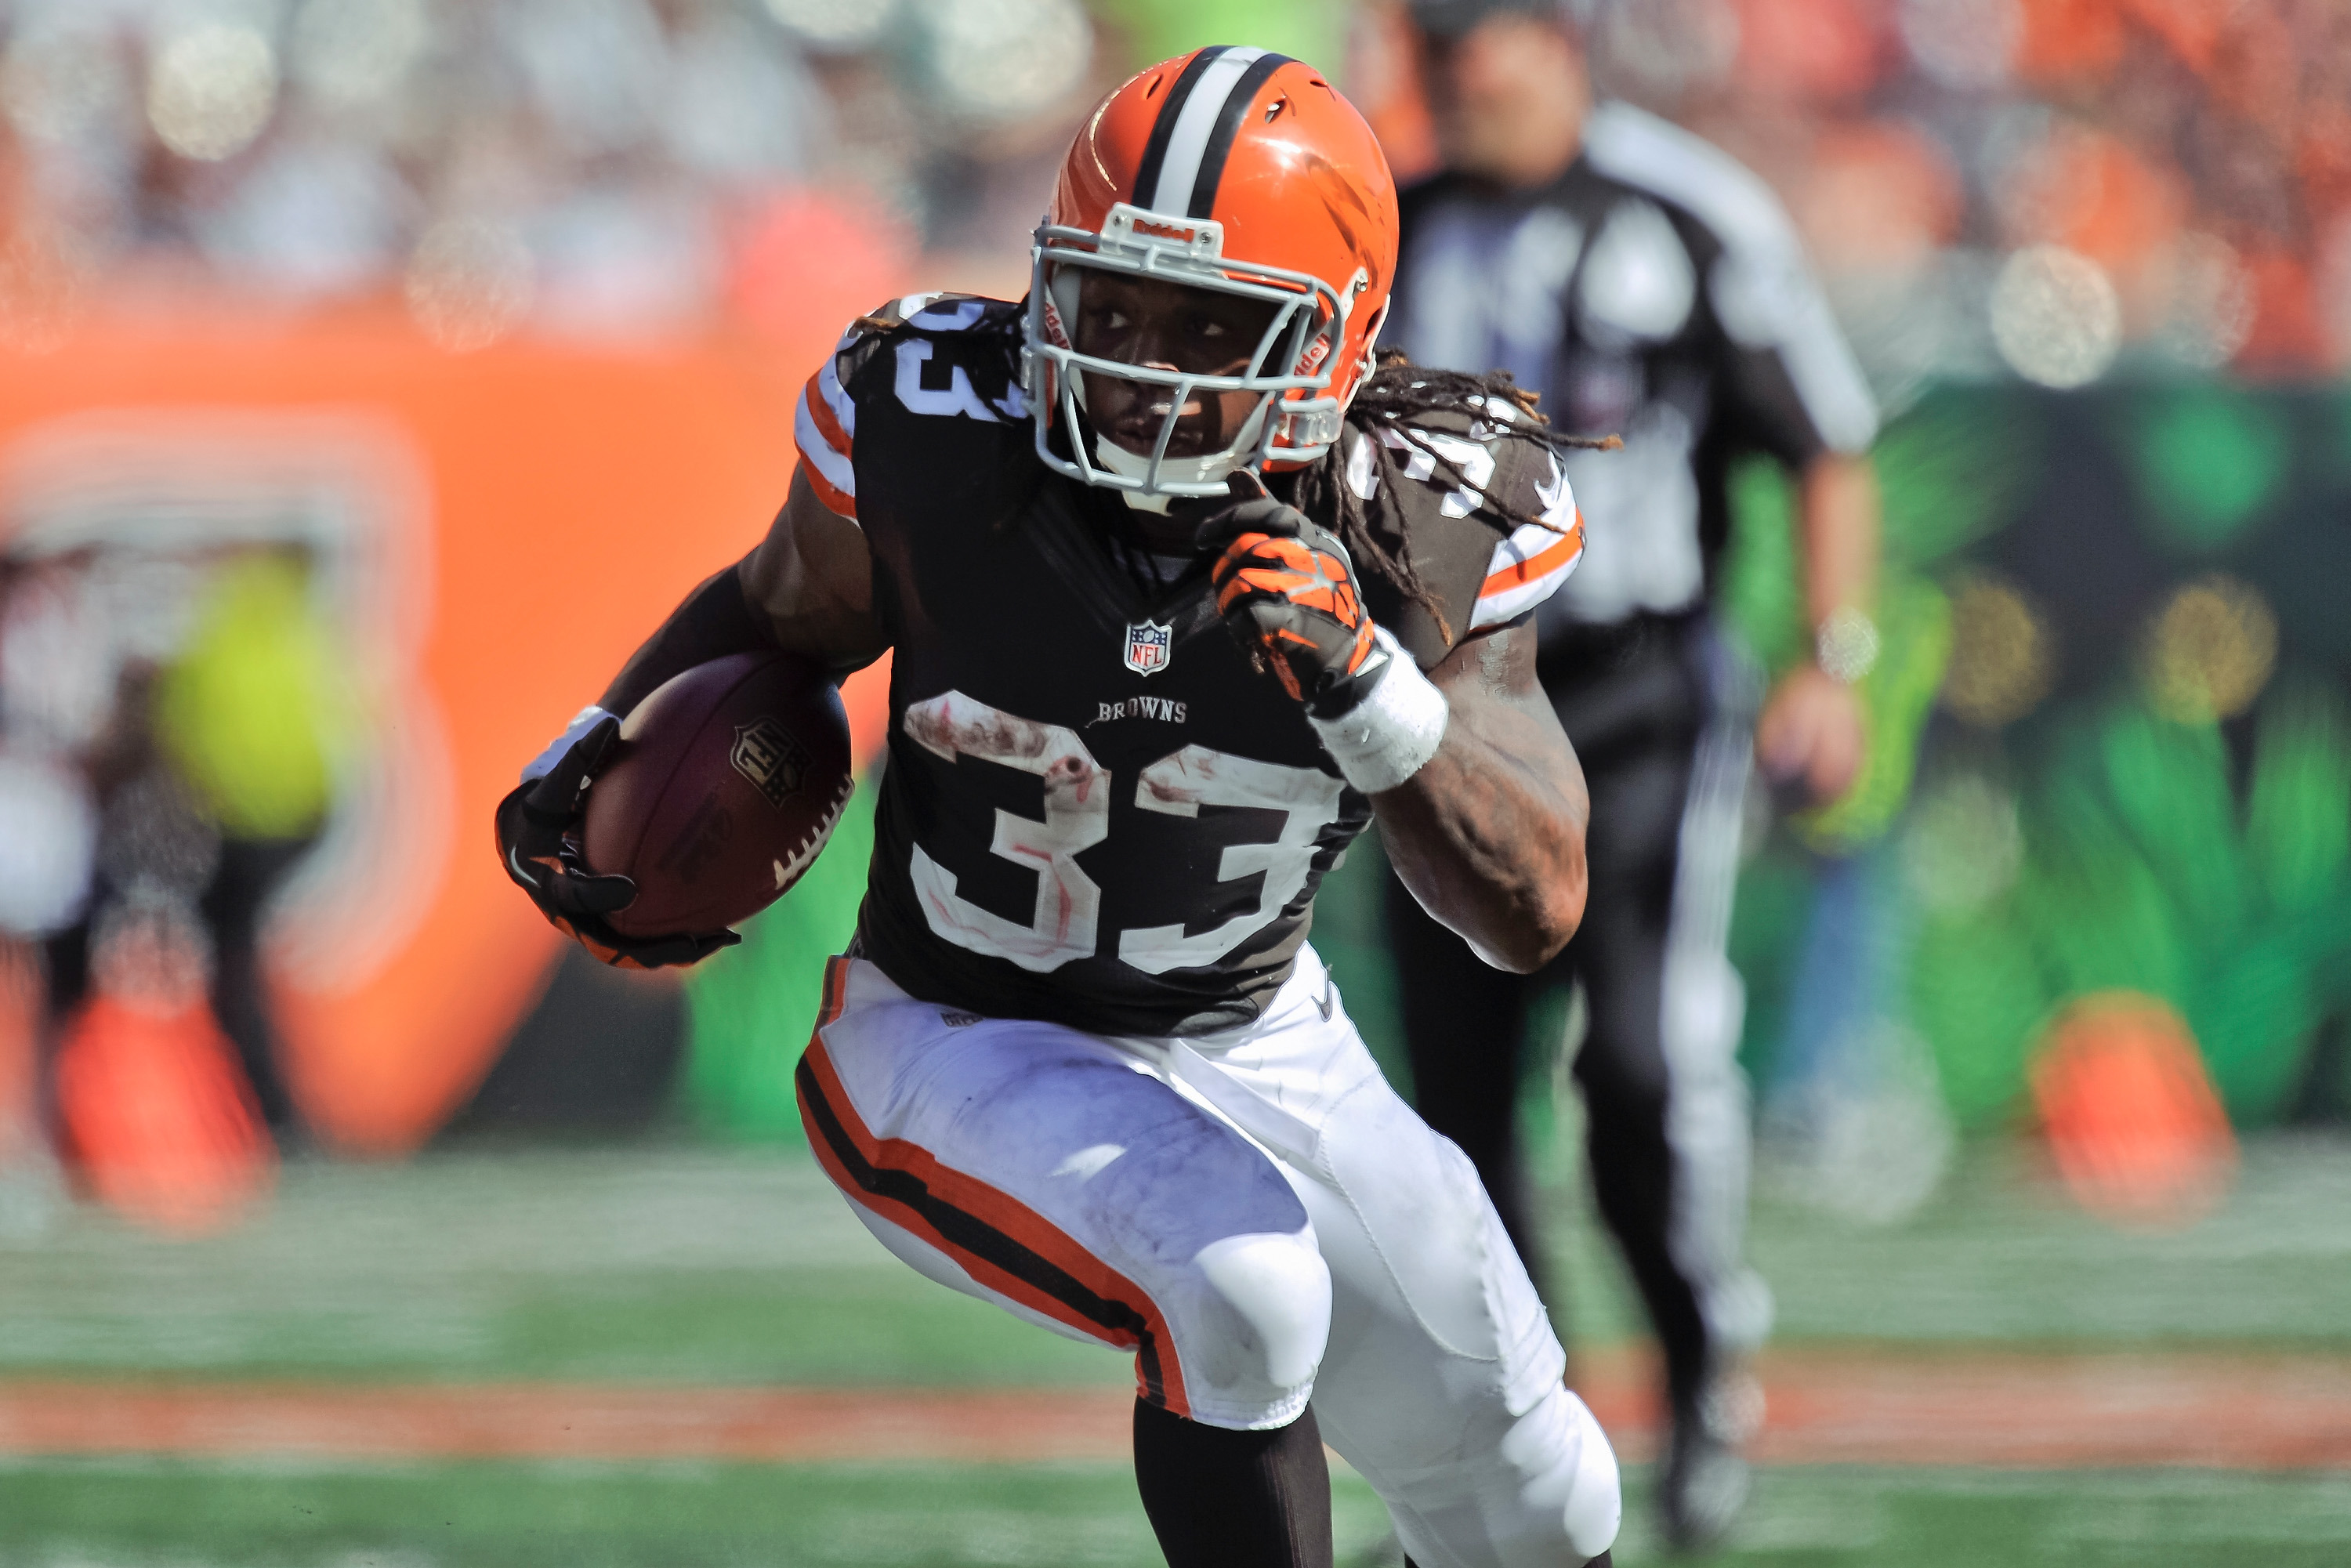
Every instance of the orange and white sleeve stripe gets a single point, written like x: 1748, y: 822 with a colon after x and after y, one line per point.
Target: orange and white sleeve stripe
x: 1528, y: 566
x: 824, y: 427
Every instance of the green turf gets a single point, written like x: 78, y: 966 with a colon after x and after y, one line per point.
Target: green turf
x: 680, y: 1264
x: 115, y: 1515
x: 676, y: 1265
x: 2001, y: 1258
x: 1956, y: 1518
x: 575, y: 1516
x: 685, y: 1264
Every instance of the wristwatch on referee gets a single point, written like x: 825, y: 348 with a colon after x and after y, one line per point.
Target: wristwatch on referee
x: 1845, y: 645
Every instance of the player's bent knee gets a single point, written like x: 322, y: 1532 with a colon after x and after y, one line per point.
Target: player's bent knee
x: 1595, y: 1502
x: 1265, y: 1309
x: 1571, y: 1482
x: 1544, y: 1496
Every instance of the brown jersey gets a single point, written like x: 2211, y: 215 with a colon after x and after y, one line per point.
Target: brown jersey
x: 1094, y: 810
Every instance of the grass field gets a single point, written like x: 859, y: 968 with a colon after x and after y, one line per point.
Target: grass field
x: 84, y: 1515
x: 675, y: 1268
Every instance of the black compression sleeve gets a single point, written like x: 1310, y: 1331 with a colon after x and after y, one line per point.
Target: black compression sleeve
x: 715, y: 620
x: 1221, y: 1499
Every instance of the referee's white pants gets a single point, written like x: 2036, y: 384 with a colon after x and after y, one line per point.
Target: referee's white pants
x: 1255, y: 1214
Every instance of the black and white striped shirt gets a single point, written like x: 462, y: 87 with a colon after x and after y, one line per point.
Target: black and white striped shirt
x: 1657, y: 290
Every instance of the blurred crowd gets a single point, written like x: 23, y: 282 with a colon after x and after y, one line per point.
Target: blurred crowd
x: 2050, y: 189
x: 178, y: 723
x: 598, y: 167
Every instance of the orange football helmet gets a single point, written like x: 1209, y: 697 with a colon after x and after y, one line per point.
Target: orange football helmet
x: 1233, y: 170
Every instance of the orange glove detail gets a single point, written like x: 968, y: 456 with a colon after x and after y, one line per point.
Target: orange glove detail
x: 1288, y: 590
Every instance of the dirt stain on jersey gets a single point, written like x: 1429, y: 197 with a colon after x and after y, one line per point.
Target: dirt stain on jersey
x: 1180, y: 781
x: 953, y: 725
x: 1073, y: 776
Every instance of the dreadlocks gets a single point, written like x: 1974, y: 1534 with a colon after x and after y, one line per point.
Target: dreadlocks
x: 1391, y: 397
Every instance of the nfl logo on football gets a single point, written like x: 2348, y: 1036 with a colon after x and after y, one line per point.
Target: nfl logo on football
x: 767, y: 754
x: 1147, y: 647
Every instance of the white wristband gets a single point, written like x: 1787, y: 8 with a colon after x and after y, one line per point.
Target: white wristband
x: 542, y: 765
x: 1385, y: 739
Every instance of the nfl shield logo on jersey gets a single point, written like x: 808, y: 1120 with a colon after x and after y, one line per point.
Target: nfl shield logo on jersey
x: 1147, y: 647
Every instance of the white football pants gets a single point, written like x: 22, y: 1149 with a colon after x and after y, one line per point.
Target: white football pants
x: 1255, y: 1214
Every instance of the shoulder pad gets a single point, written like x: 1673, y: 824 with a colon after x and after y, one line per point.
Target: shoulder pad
x: 1490, y: 545
x: 983, y: 379
x: 1529, y: 564
x: 927, y: 314
x: 1471, y: 443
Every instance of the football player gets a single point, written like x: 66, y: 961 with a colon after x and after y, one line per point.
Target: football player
x: 1183, y: 590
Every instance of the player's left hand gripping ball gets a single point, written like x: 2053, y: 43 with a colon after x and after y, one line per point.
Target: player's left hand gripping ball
x: 1287, y: 588
x: 1289, y: 591
x: 537, y: 824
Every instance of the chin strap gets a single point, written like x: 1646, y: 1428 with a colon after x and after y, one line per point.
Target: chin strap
x: 1212, y: 469
x: 1145, y: 503
x: 1395, y: 729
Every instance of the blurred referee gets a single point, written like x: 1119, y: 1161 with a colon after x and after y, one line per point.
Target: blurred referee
x: 1648, y: 285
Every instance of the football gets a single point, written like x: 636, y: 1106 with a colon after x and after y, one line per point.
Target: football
x: 724, y: 785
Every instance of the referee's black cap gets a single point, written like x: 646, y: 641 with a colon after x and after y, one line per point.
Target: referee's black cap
x: 1450, y: 19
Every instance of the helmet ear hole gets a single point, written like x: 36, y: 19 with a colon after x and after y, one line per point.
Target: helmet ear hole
x: 1370, y: 359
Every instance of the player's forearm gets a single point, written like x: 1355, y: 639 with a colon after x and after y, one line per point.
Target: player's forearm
x: 1488, y: 835
x: 806, y: 589
x: 1839, y: 517
x: 715, y: 621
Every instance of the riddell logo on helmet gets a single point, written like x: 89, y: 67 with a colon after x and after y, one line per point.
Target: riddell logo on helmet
x: 1164, y: 231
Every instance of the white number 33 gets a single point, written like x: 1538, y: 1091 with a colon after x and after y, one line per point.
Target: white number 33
x: 1066, y: 922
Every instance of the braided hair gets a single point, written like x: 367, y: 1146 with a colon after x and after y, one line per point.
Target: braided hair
x: 1391, y: 398
x: 1394, y: 395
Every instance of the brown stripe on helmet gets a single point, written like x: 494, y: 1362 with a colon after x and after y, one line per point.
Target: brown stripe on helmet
x: 1228, y: 125
x: 1162, y: 128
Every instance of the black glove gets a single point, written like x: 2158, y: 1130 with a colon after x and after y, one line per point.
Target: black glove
x: 1288, y: 590
x: 538, y: 827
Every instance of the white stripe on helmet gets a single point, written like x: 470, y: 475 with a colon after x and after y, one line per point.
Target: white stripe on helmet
x: 1195, y: 123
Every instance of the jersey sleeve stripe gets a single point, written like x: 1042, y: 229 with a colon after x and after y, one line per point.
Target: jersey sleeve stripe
x: 836, y: 399
x: 827, y: 467
x: 825, y: 415
x: 834, y: 500
x: 1517, y: 572
x: 1527, y: 568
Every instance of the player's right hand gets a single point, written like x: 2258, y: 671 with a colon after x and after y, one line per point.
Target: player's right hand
x: 538, y: 845
x: 1288, y: 591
